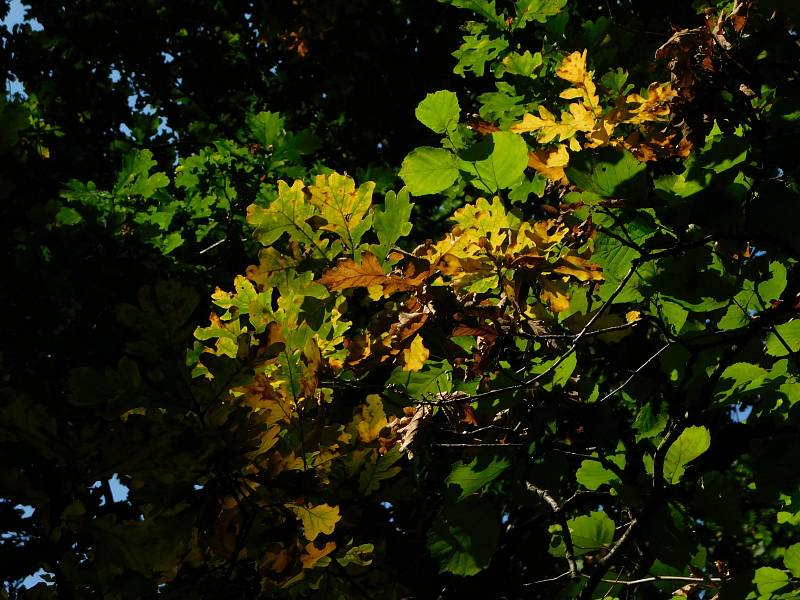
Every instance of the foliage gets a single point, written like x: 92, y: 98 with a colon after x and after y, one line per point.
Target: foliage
x: 574, y: 377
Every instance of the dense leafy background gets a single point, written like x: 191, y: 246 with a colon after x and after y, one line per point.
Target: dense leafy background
x: 541, y: 342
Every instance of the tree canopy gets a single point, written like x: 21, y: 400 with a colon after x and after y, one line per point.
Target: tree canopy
x: 503, y: 300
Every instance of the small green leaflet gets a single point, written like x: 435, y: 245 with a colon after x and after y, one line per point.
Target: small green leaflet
x: 439, y: 111
x: 429, y: 170
x: 392, y: 222
x: 471, y: 478
x: 379, y: 470
x: 266, y: 127
x: 592, y: 474
x: 476, y: 51
x: 435, y: 377
x: 482, y: 8
x: 536, y: 10
x: 689, y: 445
x: 135, y: 180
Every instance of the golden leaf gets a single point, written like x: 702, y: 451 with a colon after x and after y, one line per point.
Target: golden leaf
x: 578, y: 118
x: 414, y: 357
x: 655, y: 107
x: 579, y: 268
x: 554, y: 295
x: 370, y: 419
x: 550, y: 162
x: 573, y: 67
x: 311, y: 554
x: 316, y: 519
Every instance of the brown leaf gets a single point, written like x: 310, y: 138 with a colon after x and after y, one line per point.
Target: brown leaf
x: 410, y: 430
x: 350, y: 274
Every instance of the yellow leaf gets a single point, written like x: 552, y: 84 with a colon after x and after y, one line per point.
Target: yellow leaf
x: 573, y: 67
x: 311, y: 554
x: 554, y: 295
x: 550, y: 162
x: 632, y: 315
x: 532, y: 123
x: 316, y: 519
x: 344, y: 207
x: 578, y: 118
x: 415, y: 356
x: 655, y: 107
x: 579, y: 268
x: 370, y: 419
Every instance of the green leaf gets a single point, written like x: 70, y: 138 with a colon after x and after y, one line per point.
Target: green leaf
x: 429, y: 170
x: 357, y: 555
x: 392, y: 222
x: 536, y: 10
x: 135, y: 180
x: 522, y: 64
x: 464, y: 537
x: 689, y: 445
x: 591, y: 532
x: 439, y: 111
x: 592, y: 474
x: 739, y: 379
x: 789, y: 333
x: 506, y: 161
x: 563, y: 372
x: 470, y: 478
x: 287, y: 213
x: 769, y: 580
x: 791, y: 559
x: 482, y: 8
x: 68, y: 216
x: 435, y: 377
x: 535, y: 186
x: 266, y: 127
x: 476, y: 51
x: 772, y: 288
x: 379, y: 470
x: 608, y: 173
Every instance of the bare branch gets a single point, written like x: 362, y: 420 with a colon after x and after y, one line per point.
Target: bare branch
x: 569, y: 551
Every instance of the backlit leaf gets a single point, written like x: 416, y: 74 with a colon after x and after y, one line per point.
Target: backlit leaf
x: 439, y: 111
x: 319, y: 519
x: 429, y: 170
x: 693, y: 442
x: 472, y: 477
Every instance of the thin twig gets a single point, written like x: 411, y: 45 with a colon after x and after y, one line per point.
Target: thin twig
x: 636, y: 372
x: 569, y: 551
x: 663, y: 578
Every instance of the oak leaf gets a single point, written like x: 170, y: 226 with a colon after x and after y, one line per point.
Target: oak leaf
x: 415, y: 355
x: 312, y: 555
x: 370, y: 419
x: 345, y: 208
x: 318, y: 519
x: 368, y: 273
x: 550, y: 162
